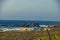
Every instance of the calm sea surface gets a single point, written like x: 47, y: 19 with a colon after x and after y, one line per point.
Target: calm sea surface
x: 27, y: 22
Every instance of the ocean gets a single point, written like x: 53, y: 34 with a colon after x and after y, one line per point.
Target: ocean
x: 12, y: 22
x: 9, y: 22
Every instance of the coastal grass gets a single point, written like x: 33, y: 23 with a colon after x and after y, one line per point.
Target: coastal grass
x: 29, y: 35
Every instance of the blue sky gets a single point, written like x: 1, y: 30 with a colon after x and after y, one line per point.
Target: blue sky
x: 30, y: 10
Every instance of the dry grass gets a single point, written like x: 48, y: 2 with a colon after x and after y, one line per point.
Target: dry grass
x: 30, y: 35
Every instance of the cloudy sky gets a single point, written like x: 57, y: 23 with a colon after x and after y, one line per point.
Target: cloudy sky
x: 30, y: 10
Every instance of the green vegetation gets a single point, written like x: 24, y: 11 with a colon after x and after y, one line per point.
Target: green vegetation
x: 52, y: 38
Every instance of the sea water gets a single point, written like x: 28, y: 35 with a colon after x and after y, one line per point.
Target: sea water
x: 9, y: 22
x: 13, y: 22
